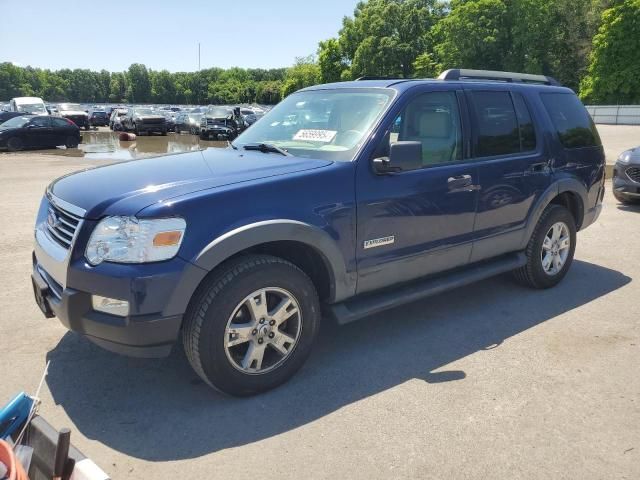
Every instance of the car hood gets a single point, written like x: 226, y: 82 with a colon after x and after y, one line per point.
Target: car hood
x: 150, y: 117
x: 72, y: 112
x: 128, y: 187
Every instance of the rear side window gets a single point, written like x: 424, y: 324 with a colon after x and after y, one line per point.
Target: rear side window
x: 496, y: 124
x: 59, y: 122
x: 571, y: 120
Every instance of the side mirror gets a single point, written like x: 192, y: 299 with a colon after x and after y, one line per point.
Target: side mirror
x: 402, y: 156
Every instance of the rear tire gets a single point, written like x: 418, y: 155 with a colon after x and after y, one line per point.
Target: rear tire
x: 548, y: 256
x: 203, y: 136
x: 246, y: 290
x: 71, y: 142
x: 15, y: 144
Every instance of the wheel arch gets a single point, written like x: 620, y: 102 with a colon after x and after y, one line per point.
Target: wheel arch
x: 567, y: 192
x: 306, y: 246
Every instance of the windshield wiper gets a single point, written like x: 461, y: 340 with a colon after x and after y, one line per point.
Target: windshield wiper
x: 266, y: 148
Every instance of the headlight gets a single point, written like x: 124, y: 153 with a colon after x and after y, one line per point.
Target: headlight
x: 625, y: 157
x: 132, y: 240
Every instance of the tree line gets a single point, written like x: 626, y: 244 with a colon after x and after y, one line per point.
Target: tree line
x: 591, y: 46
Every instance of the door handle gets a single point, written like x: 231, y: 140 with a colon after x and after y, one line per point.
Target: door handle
x: 461, y: 183
x: 542, y: 167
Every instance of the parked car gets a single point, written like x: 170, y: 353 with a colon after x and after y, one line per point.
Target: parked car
x: 347, y: 199
x: 75, y: 113
x: 33, y: 105
x: 626, y: 177
x: 170, y: 117
x: 38, y: 131
x: 115, y: 120
x: 140, y: 120
x: 219, y: 123
x: 188, y: 122
x: 98, y: 118
x: 4, y: 116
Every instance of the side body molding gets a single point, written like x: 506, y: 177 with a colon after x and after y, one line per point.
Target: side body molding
x: 343, y: 285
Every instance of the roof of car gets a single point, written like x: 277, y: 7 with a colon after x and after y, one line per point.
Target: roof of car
x: 402, y: 84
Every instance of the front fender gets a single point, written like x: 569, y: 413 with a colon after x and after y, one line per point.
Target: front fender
x: 342, y: 284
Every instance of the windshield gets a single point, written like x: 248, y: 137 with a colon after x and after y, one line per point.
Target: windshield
x: 218, y: 112
x: 32, y: 108
x: 16, y: 122
x: 195, y: 117
x: 70, y: 107
x: 144, y: 111
x: 324, y: 124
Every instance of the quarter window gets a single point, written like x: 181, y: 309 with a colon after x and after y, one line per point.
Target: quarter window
x: 433, y: 119
x: 40, y: 122
x: 571, y: 120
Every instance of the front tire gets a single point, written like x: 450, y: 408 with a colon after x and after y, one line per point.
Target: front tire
x: 550, y: 249
x: 251, y: 325
x: 15, y: 144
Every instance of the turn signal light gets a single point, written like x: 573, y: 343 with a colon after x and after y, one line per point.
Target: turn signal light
x: 167, y: 239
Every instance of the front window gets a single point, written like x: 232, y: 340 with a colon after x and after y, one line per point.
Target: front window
x: 144, y: 111
x: 32, y: 108
x: 324, y: 124
x: 218, y: 112
x: 70, y: 107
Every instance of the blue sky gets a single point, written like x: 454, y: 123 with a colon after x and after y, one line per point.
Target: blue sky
x: 163, y: 34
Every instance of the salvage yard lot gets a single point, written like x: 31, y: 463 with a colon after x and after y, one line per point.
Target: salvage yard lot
x: 487, y: 381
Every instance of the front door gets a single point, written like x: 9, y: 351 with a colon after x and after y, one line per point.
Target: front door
x: 39, y: 133
x: 418, y: 222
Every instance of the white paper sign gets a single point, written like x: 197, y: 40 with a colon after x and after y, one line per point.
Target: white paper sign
x: 324, y: 136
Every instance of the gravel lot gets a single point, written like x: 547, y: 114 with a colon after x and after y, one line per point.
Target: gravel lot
x: 487, y: 381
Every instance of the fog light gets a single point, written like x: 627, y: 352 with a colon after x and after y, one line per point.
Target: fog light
x: 110, y: 305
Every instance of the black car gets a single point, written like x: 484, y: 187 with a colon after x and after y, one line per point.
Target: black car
x: 170, y: 116
x: 75, y: 113
x: 38, y: 131
x: 140, y: 119
x: 188, y: 122
x: 98, y: 118
x: 4, y: 116
x: 220, y: 123
x: 626, y: 177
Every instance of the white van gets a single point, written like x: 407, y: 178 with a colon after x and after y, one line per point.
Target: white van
x: 33, y: 105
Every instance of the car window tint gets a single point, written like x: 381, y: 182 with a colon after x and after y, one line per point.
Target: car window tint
x: 496, y: 124
x: 40, y: 122
x: 571, y: 120
x: 432, y: 119
x: 527, y: 132
x: 59, y: 122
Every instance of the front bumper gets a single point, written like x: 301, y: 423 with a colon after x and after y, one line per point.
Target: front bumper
x: 153, y: 127
x: 622, y: 184
x: 158, y: 293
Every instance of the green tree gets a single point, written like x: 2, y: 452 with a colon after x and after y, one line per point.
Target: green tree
x: 331, y: 61
x: 138, y: 84
x: 304, y: 73
x: 614, y: 70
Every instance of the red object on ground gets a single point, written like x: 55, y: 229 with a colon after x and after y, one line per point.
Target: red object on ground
x: 126, y: 137
x: 15, y: 470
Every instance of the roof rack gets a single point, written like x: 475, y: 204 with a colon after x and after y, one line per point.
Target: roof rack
x: 376, y: 78
x: 479, y: 75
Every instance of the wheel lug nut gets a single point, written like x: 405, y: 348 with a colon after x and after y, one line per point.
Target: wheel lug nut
x: 272, y: 323
x: 254, y: 331
x: 271, y: 335
x: 262, y: 320
x: 260, y: 340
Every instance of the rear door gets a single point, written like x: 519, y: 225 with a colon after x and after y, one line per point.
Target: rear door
x: 61, y: 129
x: 414, y: 223
x: 512, y: 164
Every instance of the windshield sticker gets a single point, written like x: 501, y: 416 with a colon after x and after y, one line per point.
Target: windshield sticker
x: 324, y: 136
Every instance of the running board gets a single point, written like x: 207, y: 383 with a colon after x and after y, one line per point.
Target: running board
x: 370, y: 303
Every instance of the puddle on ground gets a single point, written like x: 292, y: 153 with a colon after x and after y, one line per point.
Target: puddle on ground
x: 105, y: 145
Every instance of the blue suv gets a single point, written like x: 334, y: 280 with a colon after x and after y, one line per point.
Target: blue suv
x: 344, y: 200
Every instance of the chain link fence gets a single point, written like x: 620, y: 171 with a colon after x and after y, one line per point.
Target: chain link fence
x: 615, y: 114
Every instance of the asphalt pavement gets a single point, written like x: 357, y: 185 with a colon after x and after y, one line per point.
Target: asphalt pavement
x: 491, y: 380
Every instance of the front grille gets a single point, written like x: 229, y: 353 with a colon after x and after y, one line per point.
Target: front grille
x: 153, y: 121
x: 633, y: 173
x: 61, y: 225
x: 211, y: 121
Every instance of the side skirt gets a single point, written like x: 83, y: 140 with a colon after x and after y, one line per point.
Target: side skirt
x: 368, y: 304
